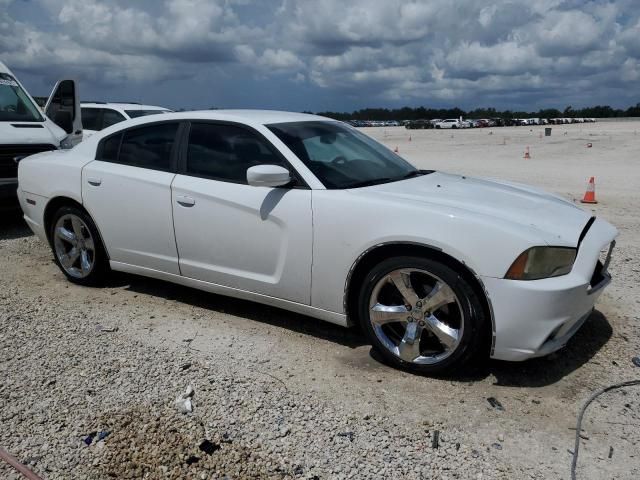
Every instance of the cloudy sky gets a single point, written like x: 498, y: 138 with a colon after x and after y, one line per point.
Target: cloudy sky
x: 330, y: 54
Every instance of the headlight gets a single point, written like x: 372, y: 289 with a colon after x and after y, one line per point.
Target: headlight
x: 66, y: 143
x: 542, y: 262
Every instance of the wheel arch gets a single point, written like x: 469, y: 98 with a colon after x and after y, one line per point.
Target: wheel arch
x: 58, y: 202
x: 380, y: 252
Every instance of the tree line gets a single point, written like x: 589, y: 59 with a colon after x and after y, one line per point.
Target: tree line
x: 408, y: 113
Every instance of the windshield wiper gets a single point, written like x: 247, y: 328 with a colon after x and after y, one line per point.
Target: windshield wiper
x: 415, y: 173
x: 368, y: 183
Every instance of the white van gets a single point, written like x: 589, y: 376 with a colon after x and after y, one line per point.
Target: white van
x: 25, y: 129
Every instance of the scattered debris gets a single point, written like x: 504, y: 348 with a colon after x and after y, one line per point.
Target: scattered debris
x: 89, y: 438
x: 104, y: 329
x: 192, y: 459
x: 350, y: 435
x: 435, y: 440
x: 495, y: 403
x: 185, y: 366
x: 610, y: 451
x: 183, y: 402
x: 103, y: 434
x: 636, y: 361
x: 497, y: 446
x: 208, y: 447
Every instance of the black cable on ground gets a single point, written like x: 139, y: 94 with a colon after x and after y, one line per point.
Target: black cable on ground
x: 615, y: 386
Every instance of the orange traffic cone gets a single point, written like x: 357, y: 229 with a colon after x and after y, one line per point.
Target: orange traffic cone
x: 526, y: 154
x: 590, y: 194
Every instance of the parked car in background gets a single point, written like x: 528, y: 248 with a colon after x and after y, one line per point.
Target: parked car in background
x: 418, y: 124
x: 25, y: 129
x: 97, y: 116
x: 285, y: 209
x: 449, y: 123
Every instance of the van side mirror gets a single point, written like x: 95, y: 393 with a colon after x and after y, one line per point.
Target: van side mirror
x: 268, y: 176
x: 64, y: 119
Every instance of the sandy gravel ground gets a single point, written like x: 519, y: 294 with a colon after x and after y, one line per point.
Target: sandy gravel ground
x: 279, y: 395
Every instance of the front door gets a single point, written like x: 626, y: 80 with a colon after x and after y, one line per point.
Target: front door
x: 229, y: 233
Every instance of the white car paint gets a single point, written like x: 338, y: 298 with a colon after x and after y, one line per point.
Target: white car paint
x: 296, y: 248
x: 15, y: 134
x: 449, y: 123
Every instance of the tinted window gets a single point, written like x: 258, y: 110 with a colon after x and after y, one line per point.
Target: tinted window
x: 111, y: 117
x: 110, y: 148
x: 225, y: 152
x: 149, y: 147
x: 90, y: 118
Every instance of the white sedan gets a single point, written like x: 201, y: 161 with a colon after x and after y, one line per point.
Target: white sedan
x: 313, y: 216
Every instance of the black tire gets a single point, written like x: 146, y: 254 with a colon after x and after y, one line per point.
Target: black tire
x: 100, y: 267
x: 473, y: 342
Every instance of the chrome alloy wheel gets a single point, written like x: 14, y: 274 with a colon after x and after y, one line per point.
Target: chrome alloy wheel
x: 74, y: 246
x: 416, y: 316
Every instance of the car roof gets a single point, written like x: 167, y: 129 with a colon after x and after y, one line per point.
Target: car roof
x: 262, y: 117
x: 123, y: 106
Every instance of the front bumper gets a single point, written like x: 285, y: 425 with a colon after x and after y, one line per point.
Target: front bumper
x: 537, y: 317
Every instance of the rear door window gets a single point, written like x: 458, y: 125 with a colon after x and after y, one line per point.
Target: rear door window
x: 111, y: 117
x: 91, y: 118
x: 149, y: 147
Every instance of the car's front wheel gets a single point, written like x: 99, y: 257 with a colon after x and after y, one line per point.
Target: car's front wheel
x: 77, y: 248
x: 421, y: 315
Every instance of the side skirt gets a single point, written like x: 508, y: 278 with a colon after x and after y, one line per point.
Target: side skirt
x: 326, y: 315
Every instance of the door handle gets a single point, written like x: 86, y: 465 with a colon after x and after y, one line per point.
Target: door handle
x: 185, y: 201
x: 94, y: 181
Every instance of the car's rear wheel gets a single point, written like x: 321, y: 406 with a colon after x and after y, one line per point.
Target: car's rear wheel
x: 421, y: 315
x: 77, y: 248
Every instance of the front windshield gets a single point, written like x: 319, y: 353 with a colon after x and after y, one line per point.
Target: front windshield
x: 143, y: 113
x: 15, y: 105
x: 341, y: 156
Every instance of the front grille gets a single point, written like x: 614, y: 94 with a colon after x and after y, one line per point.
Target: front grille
x: 8, y: 166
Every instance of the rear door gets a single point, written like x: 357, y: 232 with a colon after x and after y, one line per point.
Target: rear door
x: 127, y: 191
x: 229, y: 233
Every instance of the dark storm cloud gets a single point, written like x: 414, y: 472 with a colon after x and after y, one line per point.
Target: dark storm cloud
x: 331, y: 54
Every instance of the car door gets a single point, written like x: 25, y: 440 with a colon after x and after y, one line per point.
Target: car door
x: 229, y: 233
x: 63, y: 107
x: 127, y: 191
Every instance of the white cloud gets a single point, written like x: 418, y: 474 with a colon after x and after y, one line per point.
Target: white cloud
x: 395, y: 51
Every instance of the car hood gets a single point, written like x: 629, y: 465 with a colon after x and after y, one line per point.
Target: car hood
x: 558, y: 221
x: 38, y: 133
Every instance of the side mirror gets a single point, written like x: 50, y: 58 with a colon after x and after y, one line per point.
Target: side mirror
x: 268, y: 176
x: 64, y: 120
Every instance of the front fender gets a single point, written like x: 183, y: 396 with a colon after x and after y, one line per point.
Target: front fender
x: 346, y: 226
